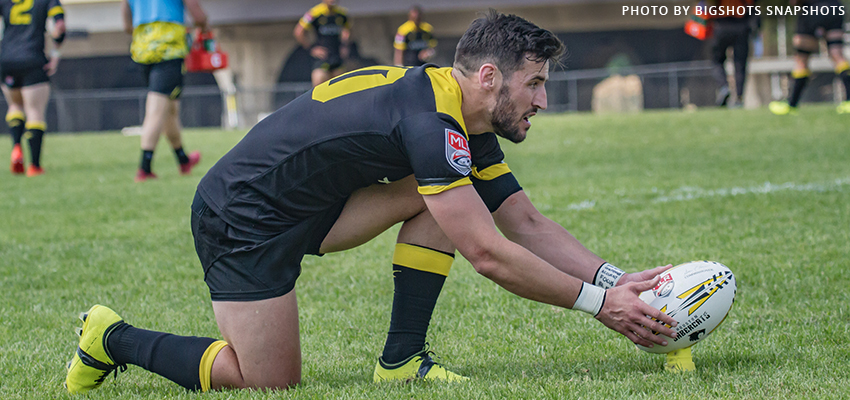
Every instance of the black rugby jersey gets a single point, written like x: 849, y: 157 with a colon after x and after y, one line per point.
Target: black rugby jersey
x: 328, y: 23
x: 373, y: 125
x: 23, y: 33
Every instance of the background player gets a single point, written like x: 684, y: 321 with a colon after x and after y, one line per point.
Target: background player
x: 330, y: 48
x: 414, y: 41
x: 159, y: 45
x: 731, y: 31
x: 830, y: 27
x: 293, y: 187
x: 25, y: 72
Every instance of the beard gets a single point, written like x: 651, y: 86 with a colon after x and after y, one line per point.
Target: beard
x: 505, y: 120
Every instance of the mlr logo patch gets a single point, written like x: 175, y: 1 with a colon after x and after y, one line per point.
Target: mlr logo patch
x: 457, y: 152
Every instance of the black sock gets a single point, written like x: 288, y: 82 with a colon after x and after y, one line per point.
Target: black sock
x: 415, y: 297
x: 36, y: 137
x: 797, y: 90
x: 845, y: 78
x: 177, y: 358
x: 181, y: 156
x: 147, y: 157
x: 16, y: 129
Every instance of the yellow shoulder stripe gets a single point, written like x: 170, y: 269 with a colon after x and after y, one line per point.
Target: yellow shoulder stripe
x: 56, y: 10
x: 319, y: 10
x: 447, y: 94
x: 406, y: 28
x: 436, y: 189
x: 492, y: 172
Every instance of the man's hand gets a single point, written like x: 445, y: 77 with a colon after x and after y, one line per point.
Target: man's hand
x: 427, y: 54
x: 643, y: 276
x: 319, y: 52
x: 52, y: 65
x: 624, y: 312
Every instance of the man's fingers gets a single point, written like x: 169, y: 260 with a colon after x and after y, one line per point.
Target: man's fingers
x: 641, y: 287
x: 657, y: 270
x: 657, y: 314
x: 636, y: 339
x: 657, y: 339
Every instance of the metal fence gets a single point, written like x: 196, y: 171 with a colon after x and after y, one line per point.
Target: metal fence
x: 664, y: 86
x: 669, y: 85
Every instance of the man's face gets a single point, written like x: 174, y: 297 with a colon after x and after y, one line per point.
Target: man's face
x: 519, y: 98
x: 413, y: 15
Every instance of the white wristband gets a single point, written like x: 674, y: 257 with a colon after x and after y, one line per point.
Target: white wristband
x: 590, y: 299
x: 55, y: 53
x: 607, y: 276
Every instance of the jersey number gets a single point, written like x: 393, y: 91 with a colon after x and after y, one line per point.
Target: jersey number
x: 20, y: 12
x: 356, y: 81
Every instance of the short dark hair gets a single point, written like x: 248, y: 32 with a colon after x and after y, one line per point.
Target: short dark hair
x: 505, y: 40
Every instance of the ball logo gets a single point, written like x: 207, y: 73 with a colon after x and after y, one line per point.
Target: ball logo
x: 457, y: 152
x: 664, y: 286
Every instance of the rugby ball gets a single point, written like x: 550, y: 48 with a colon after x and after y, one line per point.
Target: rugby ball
x: 698, y: 295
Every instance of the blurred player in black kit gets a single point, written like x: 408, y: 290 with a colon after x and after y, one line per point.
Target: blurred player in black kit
x: 414, y: 41
x: 810, y: 28
x: 25, y: 71
x: 332, y: 29
x: 732, y: 31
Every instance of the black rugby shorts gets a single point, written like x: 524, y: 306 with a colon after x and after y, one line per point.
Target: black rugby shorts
x: 16, y: 77
x: 165, y: 77
x: 241, y: 265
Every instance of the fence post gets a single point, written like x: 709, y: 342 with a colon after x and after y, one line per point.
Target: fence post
x: 673, y: 88
x: 572, y: 93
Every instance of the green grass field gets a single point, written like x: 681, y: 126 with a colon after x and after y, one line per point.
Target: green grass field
x: 767, y: 196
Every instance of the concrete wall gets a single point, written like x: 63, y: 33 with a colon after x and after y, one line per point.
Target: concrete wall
x: 257, y: 34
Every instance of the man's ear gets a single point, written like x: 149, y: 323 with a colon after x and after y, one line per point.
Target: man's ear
x: 489, y: 76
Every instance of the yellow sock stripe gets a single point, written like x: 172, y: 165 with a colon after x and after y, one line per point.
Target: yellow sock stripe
x: 40, y: 125
x: 800, y: 73
x: 843, y: 66
x: 13, y: 115
x: 205, y: 369
x: 420, y: 258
